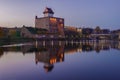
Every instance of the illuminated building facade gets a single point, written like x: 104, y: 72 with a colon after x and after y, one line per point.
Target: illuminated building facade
x: 54, y: 25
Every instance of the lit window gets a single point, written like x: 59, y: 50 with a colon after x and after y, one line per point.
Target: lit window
x: 53, y: 19
x: 52, y: 61
x: 61, y: 20
x: 61, y: 25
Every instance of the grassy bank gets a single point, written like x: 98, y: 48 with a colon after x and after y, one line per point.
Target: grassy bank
x: 6, y: 41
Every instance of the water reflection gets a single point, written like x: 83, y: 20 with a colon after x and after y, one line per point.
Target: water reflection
x: 49, y: 55
x: 52, y: 52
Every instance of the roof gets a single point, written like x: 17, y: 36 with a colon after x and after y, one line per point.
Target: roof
x: 32, y: 30
x: 48, y: 10
x: 116, y: 31
x: 36, y: 30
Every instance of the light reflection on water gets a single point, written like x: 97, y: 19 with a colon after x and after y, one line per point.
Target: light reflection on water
x: 59, y: 60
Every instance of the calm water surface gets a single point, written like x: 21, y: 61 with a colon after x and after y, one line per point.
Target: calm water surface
x: 60, y: 61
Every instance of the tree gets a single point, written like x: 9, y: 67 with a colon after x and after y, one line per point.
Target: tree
x: 87, y: 31
x: 1, y: 33
x: 97, y: 30
x: 14, y: 33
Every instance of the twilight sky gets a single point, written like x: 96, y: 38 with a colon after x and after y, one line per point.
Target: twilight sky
x: 79, y: 13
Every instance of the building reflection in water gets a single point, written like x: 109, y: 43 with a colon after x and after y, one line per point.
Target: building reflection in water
x: 52, y: 52
x: 49, y: 55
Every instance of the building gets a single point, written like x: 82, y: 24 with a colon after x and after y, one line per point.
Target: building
x: 28, y: 32
x: 54, y: 25
x: 105, y: 31
x: 31, y: 32
x: 79, y: 30
x: 115, y: 35
x: 71, y: 28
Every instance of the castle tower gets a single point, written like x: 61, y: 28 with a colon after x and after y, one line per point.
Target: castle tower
x: 48, y: 12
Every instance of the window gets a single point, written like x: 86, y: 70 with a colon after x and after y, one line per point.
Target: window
x: 61, y: 20
x: 53, y: 20
x: 61, y: 25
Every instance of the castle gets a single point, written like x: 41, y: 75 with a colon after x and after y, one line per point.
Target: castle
x: 54, y: 25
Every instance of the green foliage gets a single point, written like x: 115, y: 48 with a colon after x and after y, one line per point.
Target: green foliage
x: 17, y: 33
x: 87, y: 31
x: 14, y: 33
x: 1, y: 33
x: 71, y: 34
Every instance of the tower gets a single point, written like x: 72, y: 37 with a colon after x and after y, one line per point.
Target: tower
x: 48, y: 12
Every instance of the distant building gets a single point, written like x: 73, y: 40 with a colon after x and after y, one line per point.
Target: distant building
x: 79, y: 30
x: 71, y: 28
x: 28, y: 32
x: 54, y: 25
x: 105, y: 31
x: 115, y: 35
x: 72, y: 32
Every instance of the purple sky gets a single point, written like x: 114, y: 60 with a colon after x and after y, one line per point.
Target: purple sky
x: 79, y: 13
